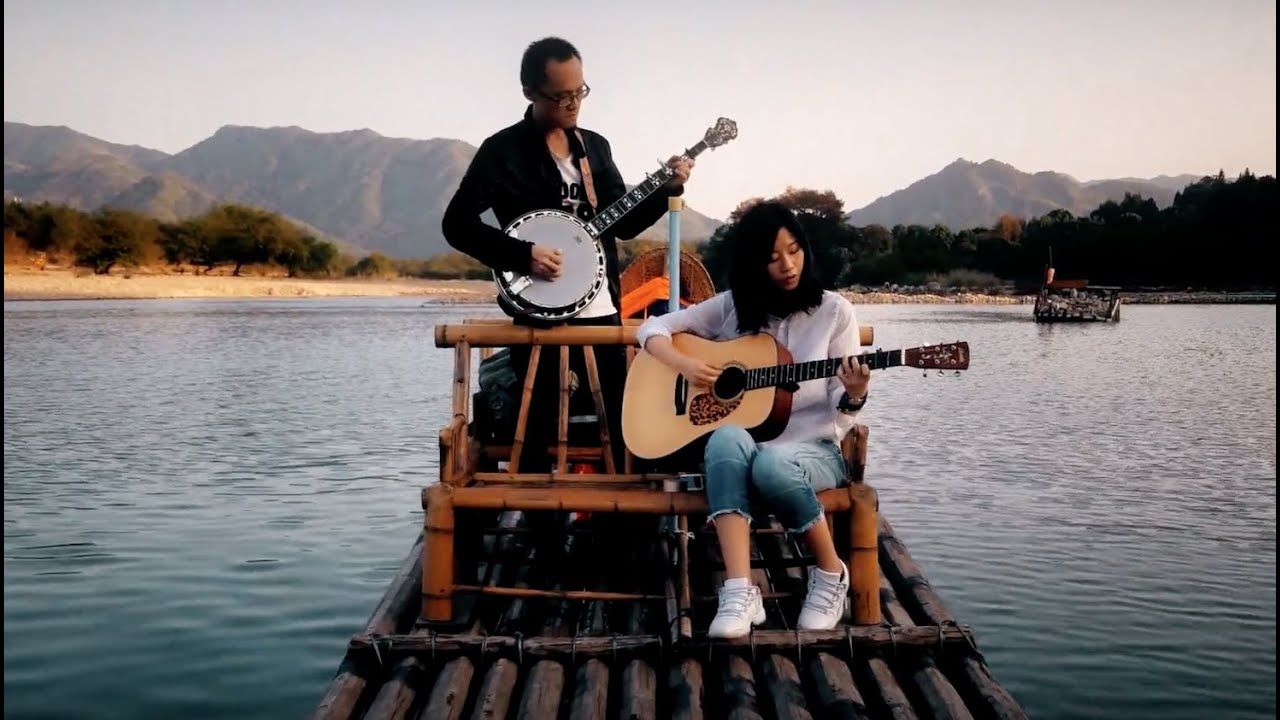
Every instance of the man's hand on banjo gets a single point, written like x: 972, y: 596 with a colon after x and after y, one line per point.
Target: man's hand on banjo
x: 546, y: 262
x: 682, y: 166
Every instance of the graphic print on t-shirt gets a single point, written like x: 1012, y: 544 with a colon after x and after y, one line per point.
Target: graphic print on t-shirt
x: 573, y: 199
x: 573, y: 194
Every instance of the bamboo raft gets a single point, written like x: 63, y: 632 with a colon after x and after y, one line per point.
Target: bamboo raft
x: 587, y: 595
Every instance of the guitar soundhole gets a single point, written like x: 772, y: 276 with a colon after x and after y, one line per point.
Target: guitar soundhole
x: 705, y: 408
x: 731, y: 383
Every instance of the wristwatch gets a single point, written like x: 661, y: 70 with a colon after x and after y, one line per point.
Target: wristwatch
x: 848, y: 406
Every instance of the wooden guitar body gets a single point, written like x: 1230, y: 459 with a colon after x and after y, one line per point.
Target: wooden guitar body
x: 663, y: 413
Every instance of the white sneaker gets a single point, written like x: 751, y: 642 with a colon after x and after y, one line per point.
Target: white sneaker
x: 739, y: 609
x: 825, y: 603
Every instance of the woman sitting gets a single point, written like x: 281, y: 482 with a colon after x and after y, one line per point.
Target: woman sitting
x: 774, y: 288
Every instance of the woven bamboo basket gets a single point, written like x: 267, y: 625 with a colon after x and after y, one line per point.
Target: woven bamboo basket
x: 695, y: 281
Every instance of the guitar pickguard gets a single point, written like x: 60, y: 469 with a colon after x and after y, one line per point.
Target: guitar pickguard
x: 705, y: 409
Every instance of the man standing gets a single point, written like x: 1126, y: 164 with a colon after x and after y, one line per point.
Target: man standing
x: 537, y: 163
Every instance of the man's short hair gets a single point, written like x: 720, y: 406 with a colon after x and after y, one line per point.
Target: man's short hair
x: 533, y: 66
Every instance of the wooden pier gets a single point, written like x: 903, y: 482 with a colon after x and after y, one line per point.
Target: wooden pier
x: 587, y: 594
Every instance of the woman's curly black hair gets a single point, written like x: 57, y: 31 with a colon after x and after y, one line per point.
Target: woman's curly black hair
x: 751, y: 242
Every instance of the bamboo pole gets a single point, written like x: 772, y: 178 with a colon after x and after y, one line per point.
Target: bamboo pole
x: 864, y: 564
x: 562, y: 444
x: 785, y: 688
x: 449, y: 692
x: 494, y: 697
x: 837, y: 694
x: 686, y: 689
x: 506, y: 335
x: 894, y: 612
x: 685, y: 624
x: 546, y: 680
x: 481, y: 335
x: 916, y: 636
x: 937, y: 693
x: 393, y: 611
x: 495, y: 694
x: 921, y: 601
x: 639, y: 681
x: 628, y: 500
x: 892, y: 697
x: 554, y: 594
x: 866, y: 333
x: 602, y: 416
x: 451, y: 437
x: 437, y: 554
x: 461, y: 378
x: 522, y: 418
x: 738, y: 686
x: 503, y: 452
x: 591, y: 691
x: 556, y: 479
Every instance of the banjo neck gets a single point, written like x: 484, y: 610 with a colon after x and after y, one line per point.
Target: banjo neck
x: 605, y: 218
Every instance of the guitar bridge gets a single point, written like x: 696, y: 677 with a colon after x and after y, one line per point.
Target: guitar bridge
x: 682, y: 395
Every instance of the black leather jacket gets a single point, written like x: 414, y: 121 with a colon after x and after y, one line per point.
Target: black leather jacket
x: 513, y: 173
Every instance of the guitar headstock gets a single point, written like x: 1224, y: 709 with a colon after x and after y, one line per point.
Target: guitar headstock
x: 946, y: 356
x: 722, y: 132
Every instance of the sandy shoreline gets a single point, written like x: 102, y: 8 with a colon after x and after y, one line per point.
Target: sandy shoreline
x: 63, y: 284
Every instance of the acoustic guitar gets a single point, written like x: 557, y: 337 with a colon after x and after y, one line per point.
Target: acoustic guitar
x: 663, y: 412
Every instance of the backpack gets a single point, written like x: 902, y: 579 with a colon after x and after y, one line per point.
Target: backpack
x: 496, y: 402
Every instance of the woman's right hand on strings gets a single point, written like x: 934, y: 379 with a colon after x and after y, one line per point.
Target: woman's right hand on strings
x: 697, y: 371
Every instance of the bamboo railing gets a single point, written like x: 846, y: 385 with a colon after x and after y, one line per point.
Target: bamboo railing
x: 464, y: 487
x: 523, y: 611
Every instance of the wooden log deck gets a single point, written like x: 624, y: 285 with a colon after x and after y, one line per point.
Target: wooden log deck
x: 528, y: 596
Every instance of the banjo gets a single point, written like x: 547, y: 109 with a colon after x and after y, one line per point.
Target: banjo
x: 582, y: 268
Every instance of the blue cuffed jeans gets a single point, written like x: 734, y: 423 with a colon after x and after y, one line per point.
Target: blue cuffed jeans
x: 784, y: 478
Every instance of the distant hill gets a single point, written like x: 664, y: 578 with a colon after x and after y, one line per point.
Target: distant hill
x: 1169, y: 182
x: 965, y: 194
x: 360, y: 188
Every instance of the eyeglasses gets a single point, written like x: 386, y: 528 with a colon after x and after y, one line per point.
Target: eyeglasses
x: 567, y: 99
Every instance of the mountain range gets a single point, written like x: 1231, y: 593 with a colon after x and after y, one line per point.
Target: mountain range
x: 360, y: 189
x: 368, y: 192
x: 966, y: 194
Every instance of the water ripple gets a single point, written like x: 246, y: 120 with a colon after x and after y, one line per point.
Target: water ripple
x: 203, y: 500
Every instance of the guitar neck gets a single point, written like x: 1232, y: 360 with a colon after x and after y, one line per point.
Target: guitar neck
x: 815, y: 369
x: 605, y: 218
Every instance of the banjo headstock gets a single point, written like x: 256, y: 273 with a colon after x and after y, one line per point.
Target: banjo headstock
x: 722, y: 132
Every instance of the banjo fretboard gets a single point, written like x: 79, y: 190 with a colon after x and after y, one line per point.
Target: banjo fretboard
x: 613, y: 213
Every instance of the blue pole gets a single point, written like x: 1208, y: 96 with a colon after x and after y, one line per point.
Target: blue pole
x: 673, y: 251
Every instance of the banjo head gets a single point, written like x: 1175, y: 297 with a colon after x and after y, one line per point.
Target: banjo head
x: 582, y: 266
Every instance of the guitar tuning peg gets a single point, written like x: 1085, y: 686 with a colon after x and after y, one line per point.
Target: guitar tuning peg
x: 925, y: 373
x: 940, y: 373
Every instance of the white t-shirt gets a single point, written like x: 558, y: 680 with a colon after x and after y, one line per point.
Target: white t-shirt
x: 573, y: 199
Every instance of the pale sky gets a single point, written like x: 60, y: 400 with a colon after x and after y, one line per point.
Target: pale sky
x: 859, y: 97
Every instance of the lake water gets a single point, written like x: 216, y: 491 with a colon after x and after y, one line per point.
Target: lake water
x: 204, y: 499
